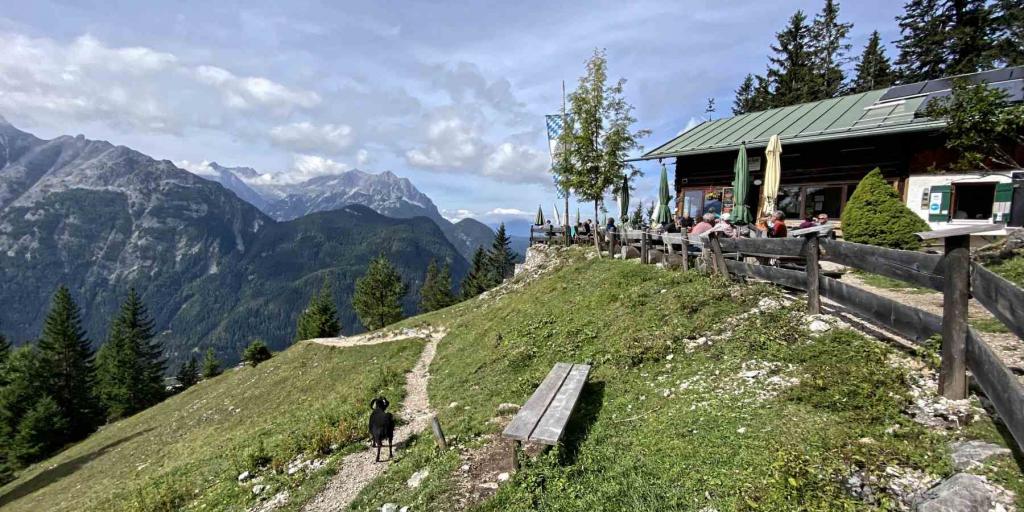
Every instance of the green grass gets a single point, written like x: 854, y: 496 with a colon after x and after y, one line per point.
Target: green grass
x: 1011, y: 268
x: 880, y: 281
x: 989, y: 325
x: 186, y: 453
x: 712, y: 443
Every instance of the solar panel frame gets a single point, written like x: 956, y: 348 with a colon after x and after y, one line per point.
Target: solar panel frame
x: 902, y: 91
x: 940, y: 84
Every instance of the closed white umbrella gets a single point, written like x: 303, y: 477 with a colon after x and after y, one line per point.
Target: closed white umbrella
x: 558, y: 218
x: 772, y: 175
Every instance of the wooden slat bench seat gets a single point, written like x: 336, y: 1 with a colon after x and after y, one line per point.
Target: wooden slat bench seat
x: 544, y: 416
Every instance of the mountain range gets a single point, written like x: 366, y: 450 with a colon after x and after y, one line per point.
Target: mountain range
x: 385, y: 193
x: 213, y: 269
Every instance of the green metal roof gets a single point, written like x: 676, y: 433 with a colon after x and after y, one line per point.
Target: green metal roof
x: 856, y: 115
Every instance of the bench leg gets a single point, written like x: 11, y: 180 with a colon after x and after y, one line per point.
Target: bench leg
x: 515, y: 446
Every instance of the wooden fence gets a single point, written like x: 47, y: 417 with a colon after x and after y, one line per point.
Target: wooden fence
x: 951, y: 273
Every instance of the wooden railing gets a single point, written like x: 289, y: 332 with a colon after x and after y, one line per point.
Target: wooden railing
x: 951, y: 273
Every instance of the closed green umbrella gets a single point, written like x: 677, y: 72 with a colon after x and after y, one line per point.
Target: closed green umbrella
x: 540, y: 217
x: 740, y: 188
x: 624, y: 202
x: 664, y: 217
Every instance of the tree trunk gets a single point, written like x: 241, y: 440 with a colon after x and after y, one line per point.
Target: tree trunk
x: 597, y: 243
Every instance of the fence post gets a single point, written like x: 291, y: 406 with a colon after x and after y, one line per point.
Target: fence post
x: 813, y: 298
x: 955, y: 293
x: 643, y: 247
x: 716, y: 254
x: 686, y: 250
x: 435, y: 425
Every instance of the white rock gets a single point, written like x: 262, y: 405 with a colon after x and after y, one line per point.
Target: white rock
x: 258, y: 489
x: 453, y: 405
x: 741, y: 430
x: 503, y: 477
x: 404, y: 509
x: 293, y: 469
x: 506, y: 408
x: 968, y: 454
x: 464, y: 468
x: 389, y: 507
x: 819, y: 326
x: 417, y: 478
x: 669, y: 357
x: 488, y: 485
x: 244, y: 476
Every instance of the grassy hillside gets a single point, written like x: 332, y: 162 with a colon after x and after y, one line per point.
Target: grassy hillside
x: 187, y: 452
x: 765, y: 416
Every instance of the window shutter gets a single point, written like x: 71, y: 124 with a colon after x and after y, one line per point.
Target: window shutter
x: 938, y: 205
x: 1001, y: 204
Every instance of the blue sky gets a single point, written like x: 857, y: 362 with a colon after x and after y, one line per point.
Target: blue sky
x: 451, y: 95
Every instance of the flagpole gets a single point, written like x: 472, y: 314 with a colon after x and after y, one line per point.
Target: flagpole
x: 566, y: 226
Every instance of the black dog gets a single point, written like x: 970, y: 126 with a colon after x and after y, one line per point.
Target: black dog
x: 382, y: 425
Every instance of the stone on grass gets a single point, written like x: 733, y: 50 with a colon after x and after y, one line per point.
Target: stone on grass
x: 389, y: 507
x: 503, y: 477
x: 967, y: 454
x: 244, y: 476
x: 819, y: 326
x: 417, y: 478
x: 404, y: 509
x: 488, y: 485
x: 961, y: 492
x: 258, y: 489
x: 507, y: 408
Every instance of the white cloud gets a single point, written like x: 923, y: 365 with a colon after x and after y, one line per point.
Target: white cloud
x: 517, y: 163
x: 312, y: 165
x: 692, y: 123
x: 201, y: 168
x: 452, y: 144
x: 362, y: 157
x: 306, y: 136
x: 457, y: 215
x: 509, y: 211
x: 249, y: 91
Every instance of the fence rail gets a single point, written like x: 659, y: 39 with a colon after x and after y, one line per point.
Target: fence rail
x: 950, y: 273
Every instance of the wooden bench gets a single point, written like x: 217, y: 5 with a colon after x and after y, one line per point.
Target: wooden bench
x: 544, y: 416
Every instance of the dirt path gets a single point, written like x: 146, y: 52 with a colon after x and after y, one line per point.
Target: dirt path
x: 1009, y: 347
x: 359, y: 469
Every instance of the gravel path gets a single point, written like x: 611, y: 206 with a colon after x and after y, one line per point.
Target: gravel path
x: 1009, y: 347
x: 359, y: 469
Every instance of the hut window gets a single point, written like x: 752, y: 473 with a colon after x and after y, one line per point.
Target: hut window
x: 821, y: 199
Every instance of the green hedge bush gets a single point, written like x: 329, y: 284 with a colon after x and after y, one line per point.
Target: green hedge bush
x: 875, y: 215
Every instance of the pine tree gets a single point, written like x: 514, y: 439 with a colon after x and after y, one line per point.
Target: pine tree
x: 1008, y: 19
x: 945, y: 37
x: 130, y: 365
x: 791, y: 72
x: 873, y: 68
x: 762, y: 99
x: 68, y: 359
x: 829, y: 48
x: 378, y: 295
x: 501, y: 260
x: 188, y: 373
x: 25, y: 380
x: 436, y: 292
x: 477, y: 280
x: 320, y: 318
x: 744, y: 101
x: 40, y: 432
x: 636, y: 220
x: 211, y: 365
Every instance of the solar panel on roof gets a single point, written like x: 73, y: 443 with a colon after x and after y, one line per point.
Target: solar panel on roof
x: 902, y: 91
x: 928, y: 99
x: 987, y: 77
x: 941, y: 84
x: 1014, y: 90
x: 1018, y: 72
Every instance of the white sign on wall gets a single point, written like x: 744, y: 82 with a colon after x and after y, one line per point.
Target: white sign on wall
x: 936, y: 203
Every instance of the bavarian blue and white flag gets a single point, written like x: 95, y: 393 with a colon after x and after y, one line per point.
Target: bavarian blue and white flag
x: 556, y: 124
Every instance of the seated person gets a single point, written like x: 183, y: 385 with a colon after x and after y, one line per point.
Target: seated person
x: 707, y: 222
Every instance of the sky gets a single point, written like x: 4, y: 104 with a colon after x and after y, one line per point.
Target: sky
x: 451, y: 95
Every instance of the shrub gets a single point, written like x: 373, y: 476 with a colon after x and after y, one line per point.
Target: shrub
x: 875, y: 215
x: 256, y: 353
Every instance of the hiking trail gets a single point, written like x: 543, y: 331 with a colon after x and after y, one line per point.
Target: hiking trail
x: 359, y: 469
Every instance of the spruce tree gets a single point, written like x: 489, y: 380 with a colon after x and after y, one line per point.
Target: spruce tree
x: 762, y: 99
x: 188, y: 373
x: 130, y: 365
x: 791, y: 71
x: 501, y: 258
x: 26, y: 378
x: 875, y: 215
x: 436, y: 292
x: 40, y: 432
x: 829, y: 47
x: 873, y: 68
x: 378, y: 295
x: 945, y: 37
x: 68, y: 359
x: 320, y: 318
x: 211, y: 365
x: 477, y: 280
x: 744, y: 101
x: 256, y: 353
x: 1008, y: 20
